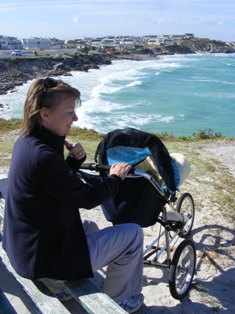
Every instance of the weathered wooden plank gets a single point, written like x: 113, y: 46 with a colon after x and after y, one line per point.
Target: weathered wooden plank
x: 5, y: 305
x: 46, y: 304
x: 89, y: 296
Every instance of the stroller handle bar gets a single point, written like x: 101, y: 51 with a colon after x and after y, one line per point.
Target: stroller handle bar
x: 137, y: 172
x: 95, y: 167
x: 100, y: 167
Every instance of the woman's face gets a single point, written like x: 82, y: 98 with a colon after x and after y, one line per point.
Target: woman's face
x: 59, y: 119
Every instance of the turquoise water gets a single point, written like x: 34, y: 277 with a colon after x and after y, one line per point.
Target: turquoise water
x: 179, y: 94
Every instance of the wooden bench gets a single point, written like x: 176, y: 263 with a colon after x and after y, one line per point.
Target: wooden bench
x: 86, y: 295
x: 5, y: 305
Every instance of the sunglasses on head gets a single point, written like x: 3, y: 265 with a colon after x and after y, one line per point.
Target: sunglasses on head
x: 48, y: 83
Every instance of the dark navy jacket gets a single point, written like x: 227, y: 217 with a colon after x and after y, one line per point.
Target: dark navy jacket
x: 43, y: 234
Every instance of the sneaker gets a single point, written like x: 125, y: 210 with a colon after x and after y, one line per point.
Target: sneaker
x: 132, y: 304
x: 56, y: 289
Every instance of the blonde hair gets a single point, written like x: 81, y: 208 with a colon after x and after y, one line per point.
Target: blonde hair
x: 41, y: 94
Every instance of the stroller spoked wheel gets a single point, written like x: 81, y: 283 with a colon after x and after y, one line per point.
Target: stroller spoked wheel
x: 182, y: 269
x: 185, y: 206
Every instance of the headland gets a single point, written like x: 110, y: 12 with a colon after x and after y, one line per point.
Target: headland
x: 17, y: 70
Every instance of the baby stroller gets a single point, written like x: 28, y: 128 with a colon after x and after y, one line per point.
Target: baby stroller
x: 148, y: 196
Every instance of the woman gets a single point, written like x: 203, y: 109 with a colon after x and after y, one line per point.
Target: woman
x: 44, y: 236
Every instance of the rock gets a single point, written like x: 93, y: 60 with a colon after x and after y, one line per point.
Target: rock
x: 17, y: 72
x: 58, y: 66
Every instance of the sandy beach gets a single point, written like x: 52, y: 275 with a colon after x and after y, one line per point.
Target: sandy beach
x: 212, y: 290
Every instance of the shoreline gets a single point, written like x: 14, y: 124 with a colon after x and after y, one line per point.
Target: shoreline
x: 18, y: 71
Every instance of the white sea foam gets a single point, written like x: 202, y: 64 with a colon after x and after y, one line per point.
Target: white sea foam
x: 206, y: 80
x: 13, y: 102
x: 135, y: 83
x: 101, y: 106
x: 105, y: 123
x: 108, y: 80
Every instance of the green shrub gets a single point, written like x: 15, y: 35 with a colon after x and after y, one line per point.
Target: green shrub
x: 9, y: 125
x: 207, y: 134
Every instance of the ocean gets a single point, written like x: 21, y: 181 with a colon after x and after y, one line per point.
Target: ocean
x: 179, y: 94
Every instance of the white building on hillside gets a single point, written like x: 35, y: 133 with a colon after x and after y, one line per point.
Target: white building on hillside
x: 36, y: 43
x: 10, y: 43
x: 189, y: 36
x: 127, y: 42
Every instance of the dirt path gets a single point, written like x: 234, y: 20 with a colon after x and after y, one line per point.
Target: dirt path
x: 224, y: 152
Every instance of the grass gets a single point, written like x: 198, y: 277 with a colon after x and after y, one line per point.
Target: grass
x: 9, y: 125
x: 6, y: 148
x: 206, y: 134
x: 85, y: 134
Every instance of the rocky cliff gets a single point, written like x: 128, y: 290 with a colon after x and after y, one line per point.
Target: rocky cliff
x: 16, y: 71
x: 196, y: 45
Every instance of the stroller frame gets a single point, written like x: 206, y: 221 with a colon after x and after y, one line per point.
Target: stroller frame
x: 176, y: 217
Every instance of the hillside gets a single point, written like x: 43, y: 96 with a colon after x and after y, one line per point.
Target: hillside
x: 202, y: 45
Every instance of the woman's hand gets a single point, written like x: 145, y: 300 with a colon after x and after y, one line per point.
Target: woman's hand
x: 75, y: 150
x: 120, y: 169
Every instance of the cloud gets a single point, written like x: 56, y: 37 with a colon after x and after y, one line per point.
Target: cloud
x: 176, y: 21
x: 75, y: 19
x: 161, y: 21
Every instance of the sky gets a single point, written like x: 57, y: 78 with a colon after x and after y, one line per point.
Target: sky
x: 74, y: 19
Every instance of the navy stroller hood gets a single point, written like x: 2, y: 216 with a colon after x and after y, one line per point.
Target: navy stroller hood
x: 137, y: 201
